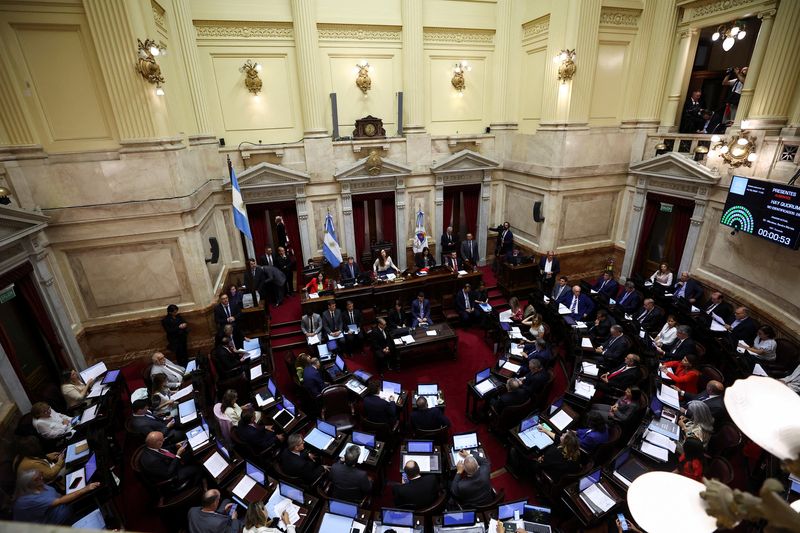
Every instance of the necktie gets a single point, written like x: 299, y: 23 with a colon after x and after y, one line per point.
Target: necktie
x: 643, y: 315
x: 269, y: 260
x: 620, y: 371
x: 352, y: 273
x: 169, y: 454
x: 228, y: 311
x: 674, y: 350
x: 331, y: 315
x: 351, y: 318
x: 466, y: 300
x: 253, y: 272
x: 574, y: 307
x: 681, y: 291
x: 712, y: 307
x: 603, y: 285
x: 624, y: 297
x: 470, y: 248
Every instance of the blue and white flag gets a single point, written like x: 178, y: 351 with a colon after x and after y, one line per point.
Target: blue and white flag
x: 420, y: 240
x: 239, y: 211
x: 330, y: 244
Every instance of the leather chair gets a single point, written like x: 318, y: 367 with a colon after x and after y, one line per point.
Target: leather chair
x: 324, y: 492
x: 551, y: 488
x: 289, y: 360
x: 720, y: 469
x: 725, y: 440
x: 439, y: 436
x: 337, y: 407
x: 605, y: 450
x: 787, y: 357
x: 708, y: 373
x: 283, y: 476
x: 540, y: 398
x: 497, y: 499
x: 448, y: 309
x: 258, y: 457
x: 385, y: 432
x: 509, y: 417
x: 225, y: 424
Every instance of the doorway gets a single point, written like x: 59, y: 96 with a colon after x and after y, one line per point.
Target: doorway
x: 460, y: 209
x: 663, y: 236
x: 265, y: 232
x: 374, y: 227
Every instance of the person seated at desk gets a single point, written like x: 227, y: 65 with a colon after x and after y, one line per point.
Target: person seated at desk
x: 235, y: 344
x: 517, y: 311
x: 469, y: 251
x: 383, y: 264
x: 421, y: 311
x: 311, y: 324
x: 537, y: 350
x: 718, y: 306
x: 614, y: 349
x: 662, y: 277
x: 256, y: 436
x: 160, y: 464
x: 417, y: 491
x: 595, y: 434
x: 227, y: 361
x: 213, y: 516
x: 448, y: 243
x: 649, y: 316
x: 536, y: 378
x: 162, y: 365
x: 687, y: 289
x: 376, y: 409
x: 30, y: 456
x: 743, y: 328
x: 684, y: 373
x: 37, y: 502
x: 561, y: 293
x: 668, y: 334
x: 682, y: 347
x: 160, y: 401
x: 312, y: 378
x: 425, y: 259
x: 332, y: 322
x: 231, y: 409
x: 690, y: 462
x: 607, y: 285
x: 515, y: 394
x: 626, y: 375
x: 561, y: 460
x: 549, y: 267
x: 601, y: 330
x: 256, y: 521
x: 48, y: 423
x: 235, y: 297
x: 143, y: 422
x: 347, y: 481
x: 452, y: 262
x: 697, y: 423
x: 629, y: 301
x: 535, y: 325
x: 623, y: 409
x: 353, y: 340
x: 471, y: 486
x: 296, y: 462
x: 712, y: 396
x: 465, y: 305
x: 397, y: 317
x: 428, y: 418
x: 72, y: 388
x: 580, y: 306
x: 316, y: 284
x: 349, y: 270
x: 514, y: 257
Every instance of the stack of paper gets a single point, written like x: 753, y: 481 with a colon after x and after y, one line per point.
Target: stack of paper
x: 484, y: 386
x: 659, y: 440
x: 98, y: 389
x: 431, y: 333
x: 215, y: 464
x: 313, y: 339
x: 256, y: 372
x: 242, y: 489
x: 580, y: 324
x: 584, y: 389
x: 408, y: 339
x: 505, y: 316
x: 563, y: 309
x: 669, y: 396
x: 511, y: 367
x: 462, y: 272
x: 561, y: 420
x: 398, y: 342
x: 758, y: 370
x: 516, y: 349
x: 182, y: 393
x: 286, y: 505
x: 589, y: 368
x: 355, y: 386
x: 586, y: 342
x: 654, y: 451
x: 598, y: 497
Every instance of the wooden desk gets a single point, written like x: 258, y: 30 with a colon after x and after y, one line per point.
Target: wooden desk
x: 418, y: 527
x: 517, y: 279
x: 474, y: 397
x: 308, y: 509
x: 257, y: 493
x: 425, y: 344
x: 452, y: 465
x: 374, y: 461
x: 298, y: 422
x: 571, y: 498
x: 405, y: 456
x: 364, y: 517
x: 253, y: 322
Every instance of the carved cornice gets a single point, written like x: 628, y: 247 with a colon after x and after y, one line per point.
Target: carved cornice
x: 458, y: 36
x: 243, y: 30
x: 535, y: 28
x: 359, y: 32
x: 620, y: 17
x: 159, y: 15
x: 712, y: 7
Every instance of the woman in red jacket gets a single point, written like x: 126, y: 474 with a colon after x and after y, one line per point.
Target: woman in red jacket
x: 684, y: 373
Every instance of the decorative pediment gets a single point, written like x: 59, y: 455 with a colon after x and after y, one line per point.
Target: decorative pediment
x: 266, y: 181
x: 372, y: 167
x: 16, y: 223
x: 464, y: 161
x: 675, y: 166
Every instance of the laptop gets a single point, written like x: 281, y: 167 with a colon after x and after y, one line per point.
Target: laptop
x: 93, y: 520
x: 530, y: 435
x: 285, y: 413
x: 339, y: 517
x: 628, y: 467
x: 256, y: 473
x: 421, y: 451
x: 224, y: 451
x: 322, y: 435
x: 363, y: 375
x: 365, y: 442
x: 459, y: 519
x: 290, y: 491
x: 484, y: 382
x: 431, y: 393
x: 323, y: 352
x: 464, y: 441
x: 111, y: 377
x: 389, y: 389
x: 187, y: 411
x: 197, y: 437
x: 338, y: 368
x: 536, y: 519
x: 78, y: 479
x: 272, y: 390
x: 397, y: 517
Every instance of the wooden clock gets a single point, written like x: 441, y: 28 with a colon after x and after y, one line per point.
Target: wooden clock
x: 369, y: 127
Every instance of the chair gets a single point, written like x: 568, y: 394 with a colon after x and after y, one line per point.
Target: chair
x: 700, y: 351
x: 721, y: 470
x: 510, y: 416
x: 708, y: 373
x: 324, y: 492
x: 448, y: 309
x: 225, y: 423
x: 135, y: 438
x: 439, y: 436
x: 497, y: 498
x: 553, y: 488
x: 725, y: 440
x: 787, y: 356
x: 605, y: 450
x: 289, y: 360
x: 148, y: 382
x: 383, y: 431
x: 281, y: 474
x: 263, y: 457
x: 540, y: 397
x: 337, y: 407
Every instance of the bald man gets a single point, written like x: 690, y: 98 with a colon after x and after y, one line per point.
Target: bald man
x: 159, y: 464
x: 213, y: 516
x: 416, y: 491
x: 712, y: 397
x: 471, y: 486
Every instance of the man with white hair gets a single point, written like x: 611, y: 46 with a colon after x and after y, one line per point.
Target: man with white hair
x: 213, y: 516
x: 173, y: 371
x: 471, y: 486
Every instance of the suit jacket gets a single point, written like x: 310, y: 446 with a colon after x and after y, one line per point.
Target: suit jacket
x: 221, y: 317
x: 431, y: 418
x: 255, y: 283
x: 629, y: 377
x: 535, y: 382
x: 345, y: 271
x: 505, y: 241
x: 380, y: 339
x: 652, y: 321
x: 376, y: 409
x: 300, y: 466
x: 418, y: 493
x: 585, y: 306
x: 693, y: 290
x: 175, y: 334
x: 680, y: 350
x: 629, y: 301
x: 285, y: 264
x: 274, y: 277
x: 560, y: 294
x: 614, y: 350
x: 158, y: 466
x: 591, y: 439
x: 555, y: 268
x: 311, y: 325
x: 312, y: 381
x: 448, y: 243
x: 744, y: 331
x: 332, y: 323
x: 264, y: 260
x: 602, y: 331
x: 509, y: 398
x: 460, y: 302
x: 475, y: 491
x: 225, y: 361
x: 723, y: 310
x: 469, y: 251
x: 425, y: 262
x: 349, y: 483
x: 258, y: 438
x: 609, y: 289
x: 357, y: 319
x: 448, y: 262
x: 397, y: 320
x: 715, y: 404
x: 146, y: 423
x: 418, y: 312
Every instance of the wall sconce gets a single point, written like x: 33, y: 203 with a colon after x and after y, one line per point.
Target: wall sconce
x: 458, y: 77
x: 363, y: 81
x: 700, y: 152
x: 4, y: 196
x: 739, y: 151
x: 729, y: 33
x: 252, y: 81
x: 566, y: 67
x: 146, y: 64
x: 661, y: 149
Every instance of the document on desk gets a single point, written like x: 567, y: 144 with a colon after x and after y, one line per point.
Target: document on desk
x: 584, y: 389
x: 505, y: 316
x: 563, y: 309
x: 758, y: 370
x: 598, y: 497
x: 669, y: 396
x: 666, y: 428
x: 336, y: 337
x: 484, y: 386
x: 408, y: 339
x: 654, y: 451
x: 431, y: 333
x: 580, y: 324
x: 561, y: 420
x: 78, y: 450
x: 89, y: 413
x: 586, y: 342
x: 659, y: 440
x: 363, y: 453
x: 313, y: 295
x: 462, y: 272
x: 355, y: 386
x: 511, y: 367
x: 289, y: 507
x: 253, y: 347
x: 424, y: 461
x: 516, y: 349
x: 334, y: 523
x: 589, y: 368
x: 182, y: 393
x: 398, y: 342
x: 717, y: 324
x: 390, y: 277
x: 663, y: 375
x: 313, y: 339
x: 533, y: 438
x: 485, y: 307
x: 256, y: 372
x: 695, y: 309
x: 546, y: 300
x: 242, y: 489
x: 197, y: 438
x: 215, y: 464
x: 97, y: 390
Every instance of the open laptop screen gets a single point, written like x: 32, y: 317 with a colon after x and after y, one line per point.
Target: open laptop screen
x: 343, y: 508
x: 428, y: 389
x: 420, y: 446
x: 326, y: 428
x: 291, y: 492
x: 397, y: 517
x: 255, y: 473
x: 465, y: 441
x: 589, y: 480
x: 364, y: 439
x: 461, y: 518
x: 392, y: 386
x: 483, y: 374
x: 507, y: 510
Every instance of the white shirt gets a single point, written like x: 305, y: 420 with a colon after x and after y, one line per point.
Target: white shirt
x: 173, y: 371
x: 376, y: 266
x: 53, y: 426
x: 668, y: 334
x: 548, y: 265
x: 265, y: 529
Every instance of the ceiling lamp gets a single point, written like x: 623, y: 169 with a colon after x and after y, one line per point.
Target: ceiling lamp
x: 729, y: 33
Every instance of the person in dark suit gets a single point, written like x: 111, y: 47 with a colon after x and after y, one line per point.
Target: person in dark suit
x: 562, y: 292
x: 428, y: 418
x: 448, y: 243
x: 683, y: 346
x: 687, y: 289
x: 629, y: 300
x: 421, y: 311
x: 285, y: 263
x: 614, y: 349
x: 579, y: 305
x: 465, y: 305
x: 382, y: 347
x: 650, y: 317
x: 143, y: 421
x: 268, y: 258
x: 332, y: 323
x: 226, y: 313
x: 692, y: 118
x: 627, y: 375
x: 258, y: 437
x: 718, y: 306
x: 397, y: 317
x: 312, y: 378
x: 349, y: 270
x: 515, y: 257
x: 419, y: 492
x: 226, y: 361
x: 297, y: 462
x: 214, y: 515
x: 743, y: 328
x: 353, y: 340
x: 452, y: 262
x: 515, y: 394
x: 159, y: 464
x: 376, y: 409
x: 425, y: 259
x: 254, y: 281
x: 601, y: 330
x: 471, y: 486
x: 712, y: 396
x: 177, y: 333
x: 505, y: 240
x: 274, y: 284
x: 347, y: 481
x: 280, y: 230
x: 537, y: 349
x: 606, y: 284
x: 536, y: 378
x: 549, y: 267
x: 469, y: 251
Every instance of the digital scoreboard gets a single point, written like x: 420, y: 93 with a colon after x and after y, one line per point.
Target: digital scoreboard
x: 766, y: 209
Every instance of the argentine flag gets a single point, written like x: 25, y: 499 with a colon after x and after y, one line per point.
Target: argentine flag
x: 239, y: 211
x: 330, y: 244
x: 419, y: 239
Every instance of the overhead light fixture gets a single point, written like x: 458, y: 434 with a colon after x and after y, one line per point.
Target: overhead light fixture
x: 252, y: 80
x: 146, y: 63
x: 566, y: 67
x: 729, y: 33
x: 363, y: 80
x: 740, y: 150
x: 458, y: 81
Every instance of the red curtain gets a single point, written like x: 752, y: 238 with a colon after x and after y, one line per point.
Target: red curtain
x: 471, y: 200
x: 447, y: 211
x: 388, y: 214
x: 31, y: 295
x: 288, y: 211
x: 359, y: 221
x: 256, y: 214
x: 681, y: 218
x: 650, y: 213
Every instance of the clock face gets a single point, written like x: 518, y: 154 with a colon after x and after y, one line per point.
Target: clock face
x: 369, y: 130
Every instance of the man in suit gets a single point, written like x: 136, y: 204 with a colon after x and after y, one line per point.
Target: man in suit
x: 226, y: 312
x: 687, y: 289
x: 649, y: 316
x: 382, y: 347
x: 718, y: 306
x: 349, y: 270
x: 743, y: 328
x: 159, y: 464
x: 614, y: 349
x: 537, y: 349
x: 256, y: 436
x: 332, y: 323
x: 549, y: 267
x: 712, y: 396
x: 606, y: 285
x: 311, y: 324
x: 312, y: 378
x: 428, y: 418
x: 452, y: 263
x: 505, y: 240
x: 421, y: 311
x: 561, y: 292
x: 227, y: 361
x: 177, y: 333
x: 348, y: 482
x: 691, y: 119
x: 275, y: 283
x: 471, y: 486
x: 297, y: 462
x: 536, y: 378
x: 580, y: 306
x: 465, y: 305
x: 515, y: 394
x: 144, y: 422
x: 419, y: 492
x: 213, y: 515
x: 285, y: 264
x: 376, y: 409
x: 629, y: 301
x: 448, y: 243
x: 254, y: 279
x: 469, y: 251
x: 627, y: 375
x: 162, y: 365
x: 683, y: 346
x: 353, y: 339
x: 268, y: 258
x: 601, y: 329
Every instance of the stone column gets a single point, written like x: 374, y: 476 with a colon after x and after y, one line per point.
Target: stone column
x: 13, y: 385
x: 693, y: 235
x: 349, y: 227
x: 501, y: 88
x: 754, y: 67
x: 655, y: 68
x: 675, y: 86
x: 301, y: 204
x: 401, y: 228
x: 634, y: 227
x: 483, y: 215
x: 639, y: 51
x: 794, y: 117
x: 771, y: 102
x: 308, y: 68
x: 188, y: 42
x: 13, y: 118
x: 413, y: 67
